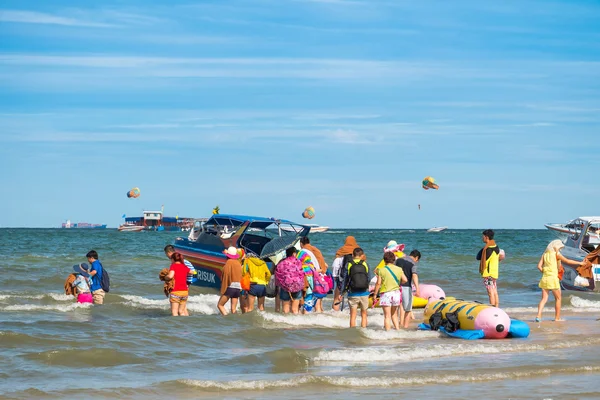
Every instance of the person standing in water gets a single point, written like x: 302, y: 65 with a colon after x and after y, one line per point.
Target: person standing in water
x: 389, y: 278
x: 179, y: 295
x: 549, y: 266
x: 231, y: 278
x: 96, y: 271
x: 489, y: 258
x: 169, y: 250
x: 409, y: 266
x: 342, y: 257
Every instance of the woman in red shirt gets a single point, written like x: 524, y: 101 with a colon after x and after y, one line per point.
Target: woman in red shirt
x: 179, y: 295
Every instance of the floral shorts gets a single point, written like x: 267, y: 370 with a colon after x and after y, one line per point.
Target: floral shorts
x: 179, y: 297
x: 489, y: 283
x: 393, y: 298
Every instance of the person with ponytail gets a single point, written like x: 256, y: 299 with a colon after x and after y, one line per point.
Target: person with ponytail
x: 179, y: 296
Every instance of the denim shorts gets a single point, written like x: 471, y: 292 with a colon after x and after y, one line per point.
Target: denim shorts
x: 284, y: 295
x: 257, y: 290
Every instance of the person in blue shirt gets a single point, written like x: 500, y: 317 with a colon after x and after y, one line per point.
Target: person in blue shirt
x: 96, y: 277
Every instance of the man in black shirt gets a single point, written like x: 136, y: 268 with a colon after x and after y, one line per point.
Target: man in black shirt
x: 409, y: 267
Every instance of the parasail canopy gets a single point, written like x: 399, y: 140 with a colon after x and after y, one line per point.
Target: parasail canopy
x: 309, y: 213
x: 429, y: 183
x: 134, y: 193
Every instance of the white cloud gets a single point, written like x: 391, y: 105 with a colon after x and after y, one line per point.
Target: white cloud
x: 348, y: 137
x: 33, y: 17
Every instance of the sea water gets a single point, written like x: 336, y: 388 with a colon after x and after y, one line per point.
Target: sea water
x: 52, y: 347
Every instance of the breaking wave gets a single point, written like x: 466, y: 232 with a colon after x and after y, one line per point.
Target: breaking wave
x: 380, y: 381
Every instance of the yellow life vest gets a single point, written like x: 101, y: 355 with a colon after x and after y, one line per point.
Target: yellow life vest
x: 491, y: 264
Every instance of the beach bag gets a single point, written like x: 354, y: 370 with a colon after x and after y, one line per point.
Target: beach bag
x: 359, y: 277
x: 245, y: 281
x: 289, y: 275
x: 451, y: 322
x: 435, y: 321
x: 561, y: 270
x: 320, y: 284
x: 271, y: 289
x: 105, y: 280
x: 329, y: 280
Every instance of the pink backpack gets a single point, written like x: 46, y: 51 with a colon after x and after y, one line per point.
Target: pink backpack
x: 289, y: 275
x: 320, y: 283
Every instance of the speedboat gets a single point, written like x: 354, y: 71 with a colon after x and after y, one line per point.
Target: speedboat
x: 266, y: 238
x: 437, y: 229
x: 130, y: 228
x: 314, y: 228
x: 570, y: 227
x: 578, y: 245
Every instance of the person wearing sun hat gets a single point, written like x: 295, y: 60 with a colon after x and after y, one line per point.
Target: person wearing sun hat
x: 82, y: 283
x: 231, y: 278
x: 391, y: 247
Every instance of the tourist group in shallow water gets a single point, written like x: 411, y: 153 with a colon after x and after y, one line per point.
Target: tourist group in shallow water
x: 299, y: 282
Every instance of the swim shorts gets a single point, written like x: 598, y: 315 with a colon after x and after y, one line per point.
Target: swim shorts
x: 407, y: 298
x: 257, y: 290
x: 179, y: 297
x: 284, y: 295
x: 232, y: 293
x: 392, y: 298
x: 85, y: 298
x: 489, y: 283
x: 361, y: 302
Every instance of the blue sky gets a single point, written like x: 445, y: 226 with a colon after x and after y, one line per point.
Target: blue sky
x: 267, y: 106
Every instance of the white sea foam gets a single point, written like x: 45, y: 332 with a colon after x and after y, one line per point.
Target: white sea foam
x: 203, y: 303
x: 579, y: 303
x: 380, y: 381
x: 48, y: 307
x: 53, y: 295
x: 323, y: 320
x: 327, y: 319
x: 378, y: 334
x: 368, y: 355
x: 376, y: 354
x: 60, y: 296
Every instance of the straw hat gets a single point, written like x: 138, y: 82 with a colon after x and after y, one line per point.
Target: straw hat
x: 393, y: 246
x: 232, y: 253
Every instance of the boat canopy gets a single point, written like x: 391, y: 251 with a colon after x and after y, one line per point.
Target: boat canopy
x: 261, y: 236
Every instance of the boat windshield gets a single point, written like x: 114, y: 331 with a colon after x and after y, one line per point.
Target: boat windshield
x: 591, y: 237
x: 267, y: 239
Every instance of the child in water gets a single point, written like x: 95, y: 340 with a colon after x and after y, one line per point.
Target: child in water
x: 82, y: 283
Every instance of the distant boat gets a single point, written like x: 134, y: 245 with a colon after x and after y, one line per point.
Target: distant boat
x: 82, y: 225
x: 130, y: 228
x: 437, y: 229
x: 313, y: 228
x: 156, y: 221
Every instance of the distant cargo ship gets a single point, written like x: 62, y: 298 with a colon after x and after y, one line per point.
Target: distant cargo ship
x: 82, y: 225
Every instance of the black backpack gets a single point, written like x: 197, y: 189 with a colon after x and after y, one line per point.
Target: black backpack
x: 359, y: 277
x: 105, y: 280
x: 435, y: 320
x: 451, y: 323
